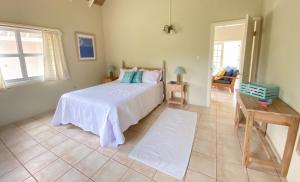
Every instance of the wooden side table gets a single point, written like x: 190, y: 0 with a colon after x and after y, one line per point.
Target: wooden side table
x: 176, y: 87
x: 108, y: 79
x: 278, y: 113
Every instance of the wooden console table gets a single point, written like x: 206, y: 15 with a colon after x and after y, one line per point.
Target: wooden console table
x: 259, y: 117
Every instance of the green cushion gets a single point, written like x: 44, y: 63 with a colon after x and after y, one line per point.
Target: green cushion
x: 128, y: 76
x: 138, y: 77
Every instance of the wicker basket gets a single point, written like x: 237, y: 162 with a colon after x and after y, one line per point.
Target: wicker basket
x: 260, y: 90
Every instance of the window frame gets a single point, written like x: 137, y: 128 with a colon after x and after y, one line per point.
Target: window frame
x: 221, y: 44
x: 21, y: 55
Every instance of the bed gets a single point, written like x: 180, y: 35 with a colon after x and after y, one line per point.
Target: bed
x: 108, y: 110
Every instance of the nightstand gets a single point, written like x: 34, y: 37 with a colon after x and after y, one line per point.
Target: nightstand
x: 108, y: 79
x: 173, y: 88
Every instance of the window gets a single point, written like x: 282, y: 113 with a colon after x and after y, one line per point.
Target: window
x: 226, y: 53
x: 231, y: 53
x: 217, y: 56
x: 21, y: 55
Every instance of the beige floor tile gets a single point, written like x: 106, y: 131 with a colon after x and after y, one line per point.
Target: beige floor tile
x: 60, y: 128
x: 1, y: 145
x: 37, y: 130
x: 111, y: 171
x: 143, y: 169
x: 192, y: 176
x: 73, y: 175
x: 228, y: 139
x: 45, y: 118
x: 64, y: 147
x: 206, y: 147
x: 53, y: 141
x: 30, y: 179
x: 53, y: 171
x: 45, y: 135
x: 92, y: 163
x: 266, y: 169
x: 207, y: 125
x: 7, y: 162
x: 231, y: 172
x: 11, y: 135
x: 93, y: 142
x: 88, y: 139
x: 230, y: 153
x: 18, y: 174
x: 109, y: 152
x: 209, y: 135
x: 76, y: 154
x: 133, y: 176
x: 30, y: 153
x: 258, y: 176
x: 39, y: 162
x: 23, y: 145
x: 203, y: 164
x: 123, y: 158
x: 162, y: 177
x: 28, y: 124
x: 72, y: 131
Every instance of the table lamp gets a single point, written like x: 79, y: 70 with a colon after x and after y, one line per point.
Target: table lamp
x: 179, y: 71
x: 111, y: 69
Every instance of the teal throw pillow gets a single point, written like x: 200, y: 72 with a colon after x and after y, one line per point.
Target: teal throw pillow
x: 128, y: 76
x: 138, y: 77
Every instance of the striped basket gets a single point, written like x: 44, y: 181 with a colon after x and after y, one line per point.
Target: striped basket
x: 260, y: 90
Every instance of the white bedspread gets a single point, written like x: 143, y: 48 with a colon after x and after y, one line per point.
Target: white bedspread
x: 108, y: 110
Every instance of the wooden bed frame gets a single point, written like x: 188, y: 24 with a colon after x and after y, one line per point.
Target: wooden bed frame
x: 162, y: 69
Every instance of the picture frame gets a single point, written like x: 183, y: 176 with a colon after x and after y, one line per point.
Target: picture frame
x: 86, y: 46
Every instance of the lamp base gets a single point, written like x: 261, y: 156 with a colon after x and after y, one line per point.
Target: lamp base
x: 111, y: 75
x: 179, y: 79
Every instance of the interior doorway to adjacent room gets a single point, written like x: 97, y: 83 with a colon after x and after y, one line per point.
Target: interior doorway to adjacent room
x: 233, y: 54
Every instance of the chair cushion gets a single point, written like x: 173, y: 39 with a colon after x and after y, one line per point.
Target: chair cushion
x: 224, y: 81
x: 235, y: 72
x: 229, y: 71
x: 220, y: 74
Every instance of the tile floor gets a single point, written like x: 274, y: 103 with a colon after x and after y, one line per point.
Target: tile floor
x: 34, y: 150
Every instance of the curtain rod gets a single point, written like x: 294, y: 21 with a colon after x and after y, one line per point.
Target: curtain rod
x: 14, y: 25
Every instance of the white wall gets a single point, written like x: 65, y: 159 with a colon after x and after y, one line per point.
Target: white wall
x: 26, y: 101
x: 279, y: 64
x: 230, y: 33
x: 133, y: 32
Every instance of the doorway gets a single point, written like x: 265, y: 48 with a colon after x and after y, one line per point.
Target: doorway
x: 233, y: 54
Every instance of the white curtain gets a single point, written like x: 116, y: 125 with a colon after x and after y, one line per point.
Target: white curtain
x: 54, y: 59
x: 2, y: 82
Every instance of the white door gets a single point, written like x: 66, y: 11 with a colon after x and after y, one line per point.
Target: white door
x: 246, y: 55
x: 250, y: 50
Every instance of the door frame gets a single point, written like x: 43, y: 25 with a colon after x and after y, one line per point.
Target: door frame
x: 211, y: 51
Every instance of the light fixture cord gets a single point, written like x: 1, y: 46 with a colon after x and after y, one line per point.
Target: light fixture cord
x: 170, y: 12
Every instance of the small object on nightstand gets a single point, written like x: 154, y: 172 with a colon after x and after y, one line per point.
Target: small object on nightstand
x: 109, y: 79
x: 176, y: 87
x: 111, y: 68
x: 179, y: 71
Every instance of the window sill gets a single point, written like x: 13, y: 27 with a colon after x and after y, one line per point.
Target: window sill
x: 23, y: 83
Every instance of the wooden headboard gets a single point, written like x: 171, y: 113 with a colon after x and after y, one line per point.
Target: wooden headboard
x: 162, y: 69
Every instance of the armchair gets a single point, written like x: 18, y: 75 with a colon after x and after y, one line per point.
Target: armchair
x: 226, y: 81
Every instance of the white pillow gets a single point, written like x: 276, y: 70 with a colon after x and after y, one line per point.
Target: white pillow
x: 151, y: 76
x: 122, y: 72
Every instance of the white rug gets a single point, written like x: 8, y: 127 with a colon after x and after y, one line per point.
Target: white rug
x: 167, y: 145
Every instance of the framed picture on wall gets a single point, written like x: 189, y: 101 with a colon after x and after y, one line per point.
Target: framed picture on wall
x: 85, y: 44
